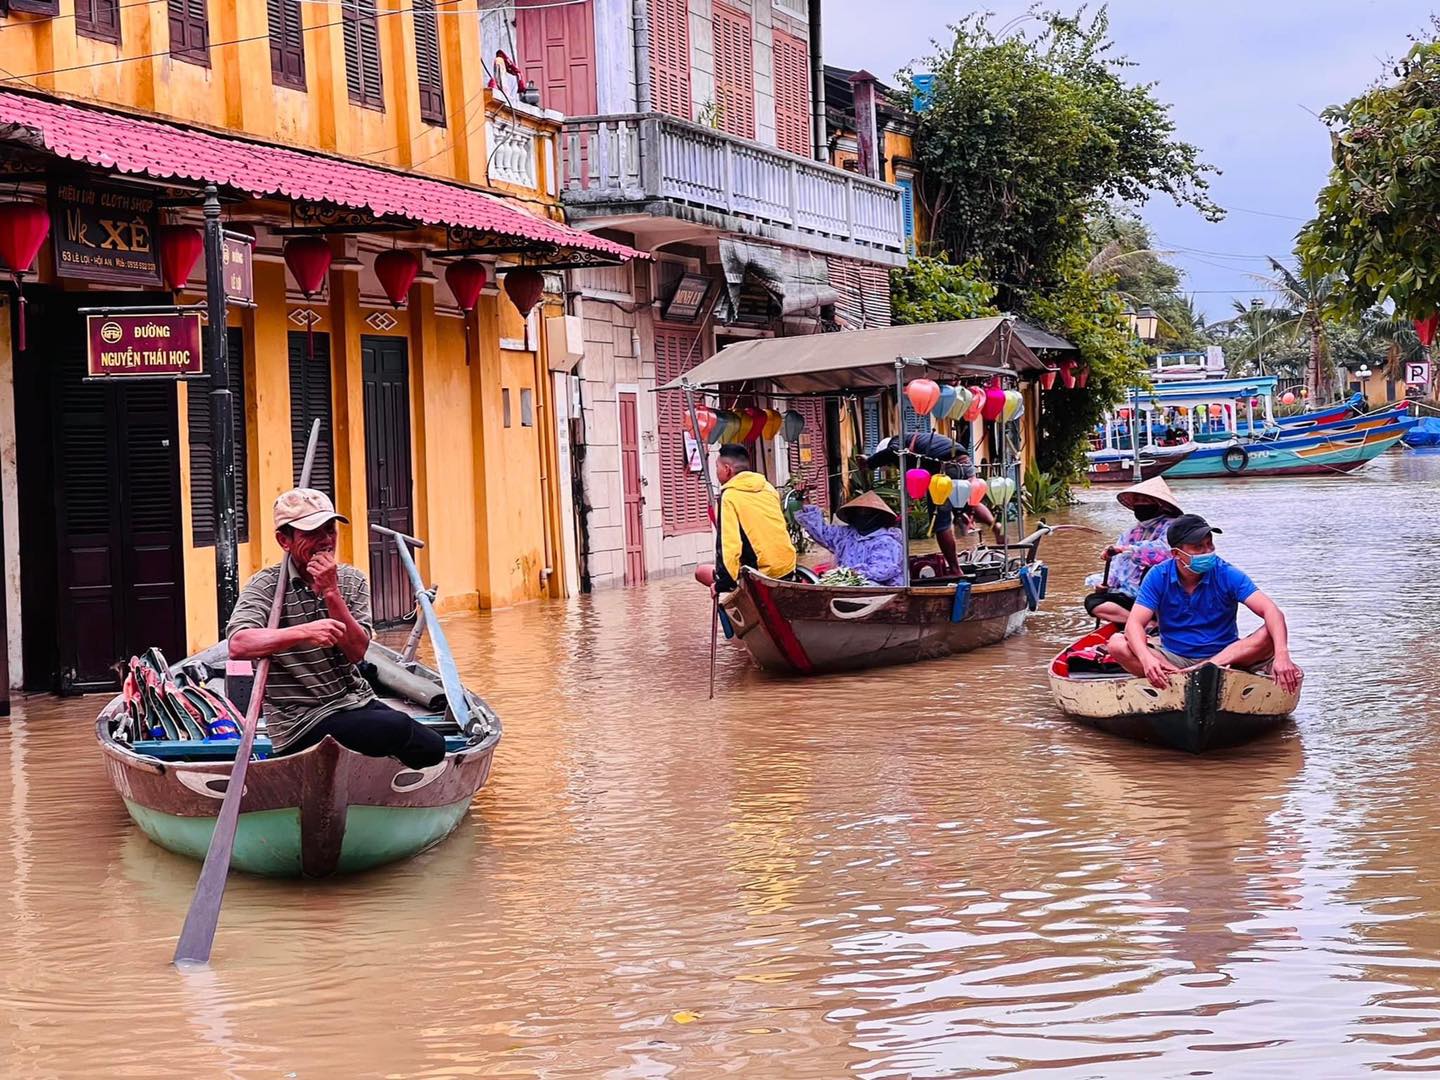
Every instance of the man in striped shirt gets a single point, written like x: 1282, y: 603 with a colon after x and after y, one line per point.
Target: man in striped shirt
x: 314, y: 688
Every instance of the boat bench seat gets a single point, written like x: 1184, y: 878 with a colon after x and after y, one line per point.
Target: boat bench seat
x: 191, y: 750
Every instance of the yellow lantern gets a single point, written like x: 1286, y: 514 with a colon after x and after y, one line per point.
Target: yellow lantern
x: 940, y: 488
x: 773, y: 420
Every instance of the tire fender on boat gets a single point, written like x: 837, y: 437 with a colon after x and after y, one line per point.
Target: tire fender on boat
x: 1236, y: 459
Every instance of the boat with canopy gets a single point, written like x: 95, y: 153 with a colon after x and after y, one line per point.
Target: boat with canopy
x: 806, y: 628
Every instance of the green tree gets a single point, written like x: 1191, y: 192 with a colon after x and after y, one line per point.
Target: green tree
x: 1375, y: 223
x: 1127, y: 251
x: 934, y: 290
x: 1024, y: 137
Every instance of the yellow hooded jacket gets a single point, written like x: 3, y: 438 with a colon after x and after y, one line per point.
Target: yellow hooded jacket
x: 751, y: 531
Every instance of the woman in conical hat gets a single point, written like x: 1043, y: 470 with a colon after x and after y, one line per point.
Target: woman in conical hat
x: 867, y: 540
x: 1135, y: 550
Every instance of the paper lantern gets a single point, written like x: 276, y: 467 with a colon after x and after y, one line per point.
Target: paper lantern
x: 727, y: 424
x: 179, y: 248
x: 308, y: 258
x: 756, y: 417
x: 959, y: 493
x: 791, y: 425
x: 963, y: 398
x: 743, y: 423
x: 1019, y: 406
x: 940, y: 488
x: 948, y: 397
x: 1254, y: 403
x: 1002, y: 488
x: 1217, y: 410
x: 923, y: 395
x: 1067, y: 374
x: 917, y: 483
x: 466, y: 279
x: 994, y: 401
x: 1304, y: 392
x: 773, y: 422
x: 1082, y: 377
x: 1287, y: 398
x: 1123, y: 414
x: 397, y: 270
x: 1014, y: 402
x: 23, y: 228
x: 704, y: 417
x: 524, y: 286
x: 977, y: 402
x: 1425, y: 329
x: 1047, y: 380
x: 978, y: 490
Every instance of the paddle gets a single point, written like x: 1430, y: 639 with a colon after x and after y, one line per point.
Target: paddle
x: 198, y: 933
x: 714, y: 633
x: 449, y: 674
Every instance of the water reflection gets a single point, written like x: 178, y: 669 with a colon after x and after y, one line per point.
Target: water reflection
x: 916, y: 872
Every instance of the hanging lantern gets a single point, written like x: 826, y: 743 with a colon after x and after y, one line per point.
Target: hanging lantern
x: 466, y: 279
x: 23, y: 228
x: 977, y: 402
x: 940, y: 488
x: 959, y: 493
x: 773, y: 422
x: 308, y: 258
x: 1047, y: 379
x: 724, y: 425
x: 962, y: 401
x: 1123, y: 414
x: 948, y: 397
x: 917, y: 483
x: 994, y: 401
x: 397, y: 270
x: 1217, y: 410
x: 757, y: 424
x: 179, y: 248
x: 1067, y: 374
x: 1083, y: 377
x: 792, y: 424
x: 524, y: 286
x: 1287, y: 398
x: 1002, y: 489
x: 978, y: 490
x: 1019, y: 407
x: 1014, y: 402
x: 704, y: 417
x: 1425, y: 329
x: 923, y: 395
x: 1304, y: 392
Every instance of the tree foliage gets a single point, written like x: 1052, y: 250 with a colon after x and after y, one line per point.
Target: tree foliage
x: 1126, y: 250
x: 1024, y: 137
x: 935, y: 290
x: 1375, y: 226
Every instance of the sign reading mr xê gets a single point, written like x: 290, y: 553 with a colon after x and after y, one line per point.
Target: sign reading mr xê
x: 102, y: 232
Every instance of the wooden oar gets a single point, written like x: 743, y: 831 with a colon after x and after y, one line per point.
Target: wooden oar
x: 449, y: 674
x: 198, y: 933
x: 714, y: 633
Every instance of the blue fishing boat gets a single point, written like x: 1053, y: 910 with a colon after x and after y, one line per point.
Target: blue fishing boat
x: 1339, y: 446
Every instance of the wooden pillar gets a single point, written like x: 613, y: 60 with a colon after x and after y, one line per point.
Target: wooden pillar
x: 348, y: 411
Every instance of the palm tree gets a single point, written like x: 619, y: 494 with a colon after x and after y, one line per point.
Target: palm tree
x: 1258, y: 336
x: 1304, y: 301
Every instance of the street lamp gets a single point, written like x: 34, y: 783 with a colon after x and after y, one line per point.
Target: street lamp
x: 1147, y: 324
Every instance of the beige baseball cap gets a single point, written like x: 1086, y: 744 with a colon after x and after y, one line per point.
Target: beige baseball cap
x: 305, y: 509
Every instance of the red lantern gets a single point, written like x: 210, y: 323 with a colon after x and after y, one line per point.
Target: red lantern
x: 466, y: 279
x: 1067, y: 374
x: 1124, y: 414
x: 23, y: 228
x: 757, y: 420
x: 1083, y: 378
x: 308, y: 258
x: 179, y: 247
x: 524, y: 287
x: 1047, y: 380
x: 396, y: 270
x: 1425, y: 329
x: 994, y: 401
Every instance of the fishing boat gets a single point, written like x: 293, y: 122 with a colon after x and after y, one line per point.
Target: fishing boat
x: 1118, y: 466
x: 323, y: 811
x: 1204, y: 709
x: 1325, y: 449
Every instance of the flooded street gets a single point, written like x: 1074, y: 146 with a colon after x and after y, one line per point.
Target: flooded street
x: 919, y: 871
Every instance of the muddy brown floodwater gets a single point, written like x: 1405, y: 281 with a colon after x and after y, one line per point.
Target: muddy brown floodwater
x: 921, y: 871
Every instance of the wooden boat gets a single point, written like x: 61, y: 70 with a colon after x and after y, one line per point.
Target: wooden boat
x: 1118, y: 467
x: 1201, y: 710
x: 1325, y: 449
x: 323, y: 811
x: 803, y: 629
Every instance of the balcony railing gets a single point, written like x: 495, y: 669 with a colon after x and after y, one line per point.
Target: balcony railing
x: 637, y: 158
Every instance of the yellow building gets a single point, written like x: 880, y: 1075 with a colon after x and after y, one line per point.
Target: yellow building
x: 369, y: 125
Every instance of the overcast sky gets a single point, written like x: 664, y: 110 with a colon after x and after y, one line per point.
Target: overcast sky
x: 1244, y: 77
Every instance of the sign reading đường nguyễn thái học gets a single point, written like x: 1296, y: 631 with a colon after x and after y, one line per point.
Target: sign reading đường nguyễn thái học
x: 163, y: 345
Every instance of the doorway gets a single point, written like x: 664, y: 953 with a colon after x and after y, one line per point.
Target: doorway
x: 100, y: 511
x: 633, y: 496
x: 385, y: 375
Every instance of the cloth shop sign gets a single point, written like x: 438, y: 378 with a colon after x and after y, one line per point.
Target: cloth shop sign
x: 144, y: 346
x: 103, y: 232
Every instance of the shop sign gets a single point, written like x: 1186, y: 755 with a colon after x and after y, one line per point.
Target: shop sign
x: 238, y: 252
x: 688, y: 299
x: 104, y: 233
x: 165, y: 345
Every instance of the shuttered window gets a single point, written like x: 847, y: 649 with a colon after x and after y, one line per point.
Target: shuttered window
x: 907, y: 212
x: 427, y: 62
x: 683, y: 502
x: 189, y: 31
x: 792, y: 94
x: 362, y: 53
x: 670, y: 58
x: 734, y: 72
x: 310, y: 398
x: 815, y: 472
x: 287, y: 43
x: 98, y: 19
x: 863, y: 293
x: 202, y: 463
x: 31, y: 7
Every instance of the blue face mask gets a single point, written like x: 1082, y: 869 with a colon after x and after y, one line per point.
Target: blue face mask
x: 1202, y: 564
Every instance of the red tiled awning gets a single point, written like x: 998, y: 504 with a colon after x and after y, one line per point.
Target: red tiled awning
x: 160, y: 150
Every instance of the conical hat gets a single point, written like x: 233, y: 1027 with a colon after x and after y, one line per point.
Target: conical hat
x: 1156, y: 488
x: 868, y: 501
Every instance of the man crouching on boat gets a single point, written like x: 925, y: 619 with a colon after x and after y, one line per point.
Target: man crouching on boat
x: 1194, y: 597
x: 315, y: 689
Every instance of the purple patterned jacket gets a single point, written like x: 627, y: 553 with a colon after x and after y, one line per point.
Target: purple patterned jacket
x: 877, y: 555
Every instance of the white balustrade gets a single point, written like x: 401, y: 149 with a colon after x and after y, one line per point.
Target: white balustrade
x: 513, y: 155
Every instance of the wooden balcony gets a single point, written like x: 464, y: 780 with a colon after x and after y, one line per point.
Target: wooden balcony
x: 630, y: 166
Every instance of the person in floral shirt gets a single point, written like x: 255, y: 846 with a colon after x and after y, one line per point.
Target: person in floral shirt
x: 1135, y: 550
x: 868, y: 540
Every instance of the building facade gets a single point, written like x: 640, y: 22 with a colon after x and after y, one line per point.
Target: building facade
x: 694, y: 131
x: 373, y: 133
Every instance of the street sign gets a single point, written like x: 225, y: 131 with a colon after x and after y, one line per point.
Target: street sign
x: 148, y: 345
x: 1417, y: 373
x: 238, y: 251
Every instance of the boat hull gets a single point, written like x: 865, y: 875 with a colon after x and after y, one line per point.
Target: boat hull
x: 800, y: 629
x: 1201, y: 710
x: 1122, y: 471
x: 1305, y: 455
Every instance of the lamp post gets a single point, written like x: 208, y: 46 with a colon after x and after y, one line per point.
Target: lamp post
x: 1145, y: 325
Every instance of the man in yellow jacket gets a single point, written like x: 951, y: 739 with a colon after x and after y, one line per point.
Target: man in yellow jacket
x: 750, y: 530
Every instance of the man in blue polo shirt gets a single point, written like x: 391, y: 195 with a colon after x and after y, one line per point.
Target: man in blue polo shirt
x: 1194, y: 598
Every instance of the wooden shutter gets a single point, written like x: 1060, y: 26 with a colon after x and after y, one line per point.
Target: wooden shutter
x: 683, y: 502
x: 427, y: 62
x: 907, y: 212
x: 815, y: 472
x: 202, y: 491
x: 792, y: 94
x: 189, y: 31
x: 98, y: 19
x: 734, y: 72
x: 362, y: 53
x: 670, y: 58
x: 32, y: 7
x: 309, y: 398
x: 287, y: 43
x: 557, y: 53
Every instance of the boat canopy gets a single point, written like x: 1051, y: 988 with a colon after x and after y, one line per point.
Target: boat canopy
x: 865, y: 359
x: 1190, y: 394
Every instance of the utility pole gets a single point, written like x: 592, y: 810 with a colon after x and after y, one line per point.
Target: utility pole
x: 222, y: 426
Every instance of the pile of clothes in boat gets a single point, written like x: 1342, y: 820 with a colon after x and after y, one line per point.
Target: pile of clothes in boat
x: 161, y: 705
